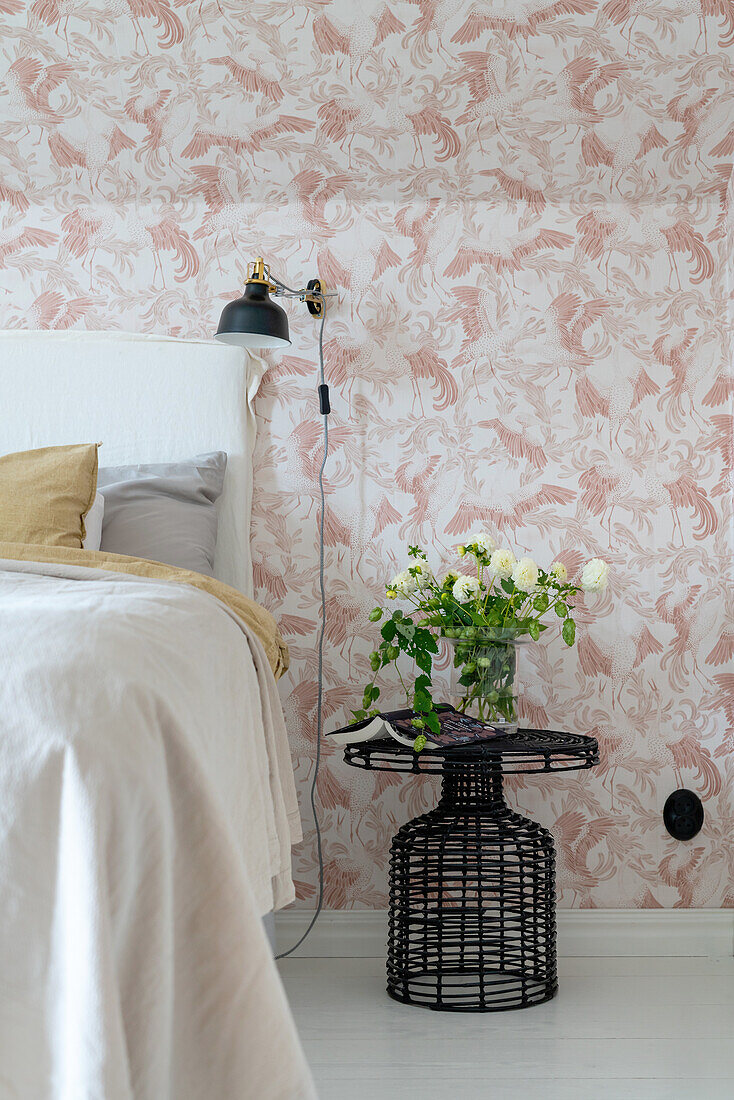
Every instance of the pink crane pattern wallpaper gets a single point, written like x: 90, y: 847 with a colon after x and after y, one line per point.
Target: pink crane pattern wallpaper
x: 524, y: 207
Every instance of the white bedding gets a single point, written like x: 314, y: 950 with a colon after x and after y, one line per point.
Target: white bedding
x: 146, y: 815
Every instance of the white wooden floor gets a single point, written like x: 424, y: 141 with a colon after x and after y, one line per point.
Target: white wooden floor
x: 619, y: 1029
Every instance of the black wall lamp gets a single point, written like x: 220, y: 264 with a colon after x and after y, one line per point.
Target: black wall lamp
x: 255, y: 321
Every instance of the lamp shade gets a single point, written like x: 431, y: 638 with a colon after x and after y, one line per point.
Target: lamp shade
x: 254, y: 321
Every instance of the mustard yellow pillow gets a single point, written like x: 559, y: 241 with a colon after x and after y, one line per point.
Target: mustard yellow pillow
x: 45, y: 494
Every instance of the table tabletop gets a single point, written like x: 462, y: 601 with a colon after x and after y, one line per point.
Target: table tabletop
x: 525, y: 751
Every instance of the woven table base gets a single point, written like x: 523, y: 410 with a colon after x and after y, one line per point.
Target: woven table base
x: 472, y: 902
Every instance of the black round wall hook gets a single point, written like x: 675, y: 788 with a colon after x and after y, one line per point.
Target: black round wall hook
x: 683, y: 814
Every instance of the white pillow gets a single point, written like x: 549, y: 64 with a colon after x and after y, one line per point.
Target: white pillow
x: 93, y: 524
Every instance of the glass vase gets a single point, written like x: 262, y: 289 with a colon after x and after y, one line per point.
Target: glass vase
x: 484, y: 675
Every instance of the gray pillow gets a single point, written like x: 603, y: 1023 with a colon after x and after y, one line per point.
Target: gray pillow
x: 166, y: 512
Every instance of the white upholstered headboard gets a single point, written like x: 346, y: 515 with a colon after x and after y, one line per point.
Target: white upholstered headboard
x: 146, y: 399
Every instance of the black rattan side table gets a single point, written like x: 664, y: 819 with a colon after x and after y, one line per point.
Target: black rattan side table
x: 472, y: 885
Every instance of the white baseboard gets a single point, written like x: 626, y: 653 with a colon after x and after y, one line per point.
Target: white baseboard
x: 362, y: 933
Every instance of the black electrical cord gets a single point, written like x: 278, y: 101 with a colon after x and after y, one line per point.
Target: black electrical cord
x: 324, y: 408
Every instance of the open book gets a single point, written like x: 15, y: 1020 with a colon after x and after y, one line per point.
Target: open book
x: 456, y: 729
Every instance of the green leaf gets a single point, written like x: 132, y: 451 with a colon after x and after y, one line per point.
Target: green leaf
x: 424, y: 662
x: 508, y: 586
x: 389, y: 630
x: 569, y: 631
x: 433, y: 723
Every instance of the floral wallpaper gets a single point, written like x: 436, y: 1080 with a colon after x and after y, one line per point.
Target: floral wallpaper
x: 524, y: 207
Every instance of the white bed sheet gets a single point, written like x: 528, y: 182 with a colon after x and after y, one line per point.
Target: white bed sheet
x: 146, y: 818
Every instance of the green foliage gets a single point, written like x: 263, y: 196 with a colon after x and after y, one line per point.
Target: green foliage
x: 483, y: 628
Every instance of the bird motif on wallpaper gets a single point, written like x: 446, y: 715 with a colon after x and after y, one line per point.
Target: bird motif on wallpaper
x: 604, y: 487
x: 619, y: 748
x: 519, y: 190
x: 167, y: 23
x: 85, y: 232
x: 494, y: 95
x: 30, y: 84
x: 488, y: 340
x: 702, y: 120
x: 357, y: 40
x: 508, y: 256
x: 631, y: 384
x: 677, y: 743
x: 312, y: 191
x: 678, y: 490
x: 567, y: 321
x: 93, y: 155
x: 695, y: 619
x: 603, y: 232
x: 574, y: 92
x: 267, y: 133
x: 615, y: 661
x: 689, y: 367
x: 342, y: 119
x: 300, y: 457
x: 14, y: 241
x: 163, y: 233
x: 680, y: 238
x: 578, y: 835
x: 426, y: 35
x: 360, y: 274
x: 685, y: 870
x: 722, y: 390
x: 52, y: 13
x: 225, y: 193
x: 625, y: 154
x: 409, y: 355
x: 167, y: 119
x: 54, y: 310
x: 625, y: 13
x: 430, y: 224
x: 251, y: 79
x: 14, y: 197
x: 533, y: 19
x: 426, y: 122
x: 428, y: 483
x: 722, y: 440
x: 512, y: 511
x: 719, y: 186
x: 519, y: 443
x: 600, y: 233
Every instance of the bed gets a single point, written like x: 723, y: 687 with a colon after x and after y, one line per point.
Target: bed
x: 147, y: 804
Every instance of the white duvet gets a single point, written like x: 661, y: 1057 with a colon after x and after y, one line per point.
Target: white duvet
x: 146, y: 815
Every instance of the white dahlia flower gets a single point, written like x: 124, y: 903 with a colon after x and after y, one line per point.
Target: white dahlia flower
x: 525, y: 574
x: 594, y: 575
x: 404, y: 583
x: 559, y: 571
x: 502, y: 562
x: 465, y: 588
x: 482, y: 540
